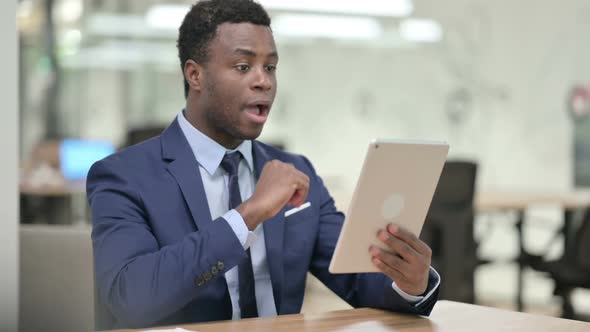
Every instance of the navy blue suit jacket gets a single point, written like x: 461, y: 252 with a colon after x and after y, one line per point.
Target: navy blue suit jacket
x: 155, y: 243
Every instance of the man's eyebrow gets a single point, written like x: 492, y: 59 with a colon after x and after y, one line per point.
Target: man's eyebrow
x: 247, y: 52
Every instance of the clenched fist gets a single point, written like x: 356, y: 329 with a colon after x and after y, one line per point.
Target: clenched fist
x: 279, y: 184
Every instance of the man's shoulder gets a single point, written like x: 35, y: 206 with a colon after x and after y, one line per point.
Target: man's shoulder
x: 134, y: 158
x: 272, y: 152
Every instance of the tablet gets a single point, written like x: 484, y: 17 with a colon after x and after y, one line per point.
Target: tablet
x: 396, y: 185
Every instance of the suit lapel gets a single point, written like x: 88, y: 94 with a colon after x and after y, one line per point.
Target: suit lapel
x: 185, y: 170
x: 273, y: 231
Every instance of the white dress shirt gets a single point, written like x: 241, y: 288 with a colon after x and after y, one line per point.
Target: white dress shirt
x: 209, y: 154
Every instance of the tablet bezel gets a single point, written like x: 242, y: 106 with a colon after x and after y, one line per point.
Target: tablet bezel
x: 420, y: 174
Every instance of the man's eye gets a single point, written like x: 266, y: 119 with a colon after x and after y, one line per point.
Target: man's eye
x: 271, y: 68
x: 242, y: 68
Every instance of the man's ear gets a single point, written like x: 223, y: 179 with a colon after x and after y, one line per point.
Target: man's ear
x: 193, y: 74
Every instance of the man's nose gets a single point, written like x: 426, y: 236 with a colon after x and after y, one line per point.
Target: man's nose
x: 263, y: 80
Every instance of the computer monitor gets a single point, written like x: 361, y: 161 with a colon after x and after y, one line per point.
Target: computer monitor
x: 78, y: 155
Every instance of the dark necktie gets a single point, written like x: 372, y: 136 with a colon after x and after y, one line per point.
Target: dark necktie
x: 247, y: 301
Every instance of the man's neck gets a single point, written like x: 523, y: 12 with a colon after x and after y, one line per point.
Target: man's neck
x: 198, y: 121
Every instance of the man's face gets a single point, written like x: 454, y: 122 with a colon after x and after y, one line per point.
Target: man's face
x: 239, y: 83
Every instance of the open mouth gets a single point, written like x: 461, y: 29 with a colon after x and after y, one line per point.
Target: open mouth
x: 259, y: 109
x: 258, y: 112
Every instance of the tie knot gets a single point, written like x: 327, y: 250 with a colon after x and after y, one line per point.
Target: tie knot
x: 230, y: 162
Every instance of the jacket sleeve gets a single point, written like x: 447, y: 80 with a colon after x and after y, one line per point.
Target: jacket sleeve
x: 140, y: 282
x: 359, y: 290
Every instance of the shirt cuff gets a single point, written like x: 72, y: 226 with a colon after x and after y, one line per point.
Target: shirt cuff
x: 418, y: 300
x: 237, y: 224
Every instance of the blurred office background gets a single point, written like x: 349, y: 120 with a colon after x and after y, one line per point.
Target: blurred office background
x: 506, y: 83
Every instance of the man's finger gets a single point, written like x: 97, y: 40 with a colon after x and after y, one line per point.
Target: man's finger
x: 299, y: 197
x: 398, y: 246
x: 394, y: 274
x: 410, y: 239
x: 301, y: 184
x: 391, y: 260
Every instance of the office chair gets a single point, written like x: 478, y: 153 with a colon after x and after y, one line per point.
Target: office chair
x: 140, y: 134
x: 55, y: 278
x: 570, y: 271
x: 449, y: 231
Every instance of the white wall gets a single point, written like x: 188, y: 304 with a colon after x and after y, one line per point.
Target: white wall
x: 8, y: 168
x: 517, y: 60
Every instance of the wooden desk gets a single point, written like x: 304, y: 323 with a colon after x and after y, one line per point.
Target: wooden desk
x: 446, y: 317
x: 492, y: 201
x: 55, y: 203
x: 519, y: 202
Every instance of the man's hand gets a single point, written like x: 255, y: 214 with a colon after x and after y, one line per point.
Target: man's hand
x: 407, y: 262
x: 279, y: 184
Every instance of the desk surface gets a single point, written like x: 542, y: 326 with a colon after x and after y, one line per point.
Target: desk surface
x: 446, y: 317
x: 515, y: 200
x: 67, y: 188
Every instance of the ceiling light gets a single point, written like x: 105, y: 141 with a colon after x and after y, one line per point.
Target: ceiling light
x: 393, y: 8
x: 321, y: 26
x: 421, y: 30
x: 166, y: 16
x: 170, y: 16
x: 68, y: 11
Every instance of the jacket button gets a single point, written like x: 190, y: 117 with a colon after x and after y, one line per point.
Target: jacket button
x: 214, y: 270
x: 220, y: 266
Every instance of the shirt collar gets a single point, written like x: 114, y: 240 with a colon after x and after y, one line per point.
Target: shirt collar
x: 208, y: 152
